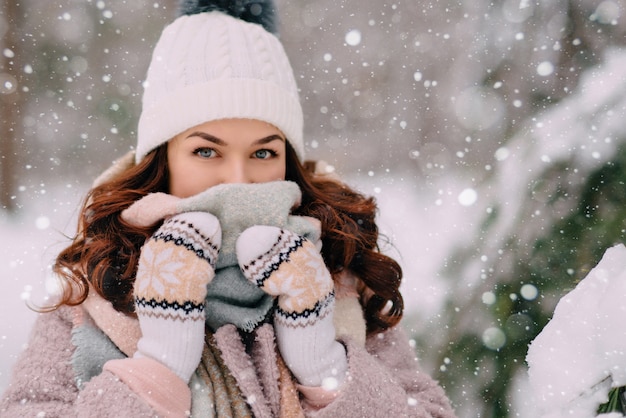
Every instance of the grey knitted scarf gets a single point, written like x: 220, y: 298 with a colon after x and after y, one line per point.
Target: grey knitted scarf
x: 231, y: 298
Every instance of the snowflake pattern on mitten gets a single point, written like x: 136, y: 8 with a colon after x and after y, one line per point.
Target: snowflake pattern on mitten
x: 293, y: 268
x: 175, y: 267
x: 290, y: 267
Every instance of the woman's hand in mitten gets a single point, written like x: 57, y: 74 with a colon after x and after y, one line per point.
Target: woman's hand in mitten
x: 175, y: 267
x: 289, y: 266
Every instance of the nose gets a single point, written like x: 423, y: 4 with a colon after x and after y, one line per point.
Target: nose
x: 236, y: 171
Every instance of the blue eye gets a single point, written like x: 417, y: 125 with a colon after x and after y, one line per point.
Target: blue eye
x: 205, y: 152
x: 264, y: 154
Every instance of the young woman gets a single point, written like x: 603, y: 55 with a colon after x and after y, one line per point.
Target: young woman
x: 214, y: 274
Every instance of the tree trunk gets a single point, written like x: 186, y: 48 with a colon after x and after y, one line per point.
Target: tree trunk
x: 9, y: 109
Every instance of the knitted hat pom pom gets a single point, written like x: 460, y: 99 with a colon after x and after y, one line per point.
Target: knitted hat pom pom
x: 262, y: 12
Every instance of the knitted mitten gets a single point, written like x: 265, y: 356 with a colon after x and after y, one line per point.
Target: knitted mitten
x: 288, y: 266
x: 175, y: 267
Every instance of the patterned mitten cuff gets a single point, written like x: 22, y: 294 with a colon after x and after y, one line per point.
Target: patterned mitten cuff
x: 175, y: 267
x: 290, y: 267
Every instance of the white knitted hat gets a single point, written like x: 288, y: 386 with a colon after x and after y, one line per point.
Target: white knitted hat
x: 211, y: 66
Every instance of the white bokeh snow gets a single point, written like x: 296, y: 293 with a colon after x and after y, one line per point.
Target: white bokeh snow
x: 29, y: 241
x: 424, y: 222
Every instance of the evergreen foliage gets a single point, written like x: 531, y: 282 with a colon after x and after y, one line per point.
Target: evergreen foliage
x: 556, y: 259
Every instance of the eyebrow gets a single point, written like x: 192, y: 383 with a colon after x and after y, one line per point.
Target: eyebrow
x: 221, y: 142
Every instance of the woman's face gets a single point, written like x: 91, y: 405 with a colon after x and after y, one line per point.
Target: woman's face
x: 225, y: 151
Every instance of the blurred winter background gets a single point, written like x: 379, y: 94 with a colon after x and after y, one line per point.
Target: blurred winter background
x: 493, y: 135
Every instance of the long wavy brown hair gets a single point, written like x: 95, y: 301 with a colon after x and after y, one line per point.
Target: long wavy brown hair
x: 105, y: 252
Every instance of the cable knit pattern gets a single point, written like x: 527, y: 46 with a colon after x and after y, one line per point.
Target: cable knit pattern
x: 229, y: 69
x: 220, y: 55
x: 266, y: 68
